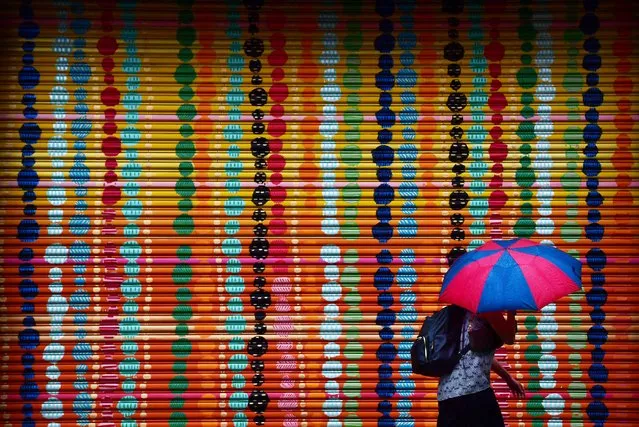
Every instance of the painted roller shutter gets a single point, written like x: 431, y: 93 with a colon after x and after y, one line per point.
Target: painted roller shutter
x: 236, y: 213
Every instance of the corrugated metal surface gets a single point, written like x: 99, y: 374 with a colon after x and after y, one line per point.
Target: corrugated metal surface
x: 236, y: 213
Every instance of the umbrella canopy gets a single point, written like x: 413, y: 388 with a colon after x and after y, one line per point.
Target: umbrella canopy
x: 515, y: 274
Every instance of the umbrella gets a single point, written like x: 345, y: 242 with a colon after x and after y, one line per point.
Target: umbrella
x: 514, y: 274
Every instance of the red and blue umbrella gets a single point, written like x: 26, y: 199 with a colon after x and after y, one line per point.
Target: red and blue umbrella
x: 515, y: 274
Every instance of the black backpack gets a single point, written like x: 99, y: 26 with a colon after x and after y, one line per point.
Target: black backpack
x: 436, y: 351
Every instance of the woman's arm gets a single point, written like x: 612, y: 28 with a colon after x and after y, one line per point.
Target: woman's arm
x: 514, y: 385
x: 505, y: 328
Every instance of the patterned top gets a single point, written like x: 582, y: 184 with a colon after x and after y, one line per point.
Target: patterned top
x: 472, y: 373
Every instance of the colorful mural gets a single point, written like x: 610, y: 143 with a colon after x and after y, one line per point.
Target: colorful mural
x: 238, y: 213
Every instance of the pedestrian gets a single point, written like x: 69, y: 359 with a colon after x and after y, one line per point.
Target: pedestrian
x: 465, y: 397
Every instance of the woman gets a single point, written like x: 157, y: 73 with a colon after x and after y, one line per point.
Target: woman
x: 464, y: 396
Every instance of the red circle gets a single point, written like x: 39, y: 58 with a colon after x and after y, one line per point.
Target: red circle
x: 275, y: 145
x: 277, y: 74
x: 110, y: 128
x: 497, y: 199
x: 278, y: 92
x: 111, y: 146
x: 277, y: 110
x: 277, y: 127
x: 276, y: 162
x: 278, y: 41
x: 278, y: 194
x: 496, y: 132
x: 495, y: 70
x: 108, y: 64
x: 494, y: 51
x: 276, y: 178
x: 278, y: 248
x: 110, y: 177
x: 497, y: 101
x: 110, y: 113
x: 497, y: 118
x: 109, y: 79
x: 498, y: 151
x: 277, y: 210
x: 495, y: 85
x: 111, y: 163
x: 497, y: 168
x: 277, y: 226
x: 110, y: 96
x: 278, y: 58
x: 107, y: 45
x: 111, y: 195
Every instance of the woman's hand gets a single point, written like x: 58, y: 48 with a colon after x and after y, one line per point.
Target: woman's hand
x: 516, y: 387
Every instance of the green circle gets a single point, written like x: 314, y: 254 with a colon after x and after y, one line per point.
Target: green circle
x: 185, y: 36
x: 181, y: 348
x: 184, y: 252
x: 185, y: 149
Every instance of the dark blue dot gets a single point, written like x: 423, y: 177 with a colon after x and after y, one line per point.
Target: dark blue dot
x: 591, y: 62
x: 385, y: 99
x: 385, y: 62
x: 384, y: 43
x: 28, y: 77
x: 595, y: 232
x: 382, y: 232
x: 598, y: 355
x: 589, y: 24
x: 28, y: 230
x: 28, y: 99
x: 383, y: 214
x: 596, y: 259
x: 591, y: 150
x: 28, y: 30
x: 384, y: 257
x: 598, y: 373
x: 29, y: 391
x: 27, y: 359
x: 594, y: 215
x: 383, y: 279
x: 384, y: 194
x: 80, y: 26
x: 29, y: 321
x: 385, y: 117
x: 385, y: 407
x: 28, y: 196
x: 386, y: 333
x: 592, y: 45
x: 30, y: 133
x: 385, y: 299
x: 79, y: 43
x: 385, y: 7
x: 592, y: 115
x: 386, y: 352
x: 26, y: 254
x: 591, y: 5
x: 385, y: 388
x: 30, y: 210
x: 598, y: 392
x: 384, y: 136
x: 593, y: 97
x: 592, y: 183
x: 386, y: 26
x: 26, y: 270
x: 598, y: 316
x: 28, y: 289
x: 30, y: 113
x: 385, y: 421
x: 594, y: 199
x: 596, y: 297
x: 27, y: 409
x: 28, y: 307
x: 385, y: 371
x: 28, y: 46
x: 29, y: 339
x: 27, y: 59
x: 28, y: 162
x: 28, y: 422
x: 592, y: 79
x: 28, y: 150
x: 385, y: 317
x: 384, y: 174
x: 384, y: 80
x: 598, y: 279
x: 591, y: 168
x: 28, y: 179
